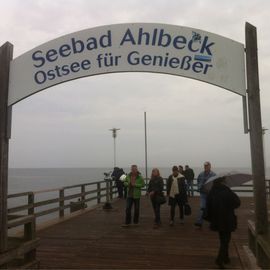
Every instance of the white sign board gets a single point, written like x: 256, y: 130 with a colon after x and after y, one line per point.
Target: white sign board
x: 138, y: 47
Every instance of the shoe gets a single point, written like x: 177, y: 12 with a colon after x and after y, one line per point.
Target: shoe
x: 171, y: 223
x: 125, y: 225
x: 227, y: 261
x: 198, y: 225
x: 219, y: 264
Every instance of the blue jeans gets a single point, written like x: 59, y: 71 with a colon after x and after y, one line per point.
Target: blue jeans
x: 130, y: 202
x: 190, y: 190
x: 203, y: 197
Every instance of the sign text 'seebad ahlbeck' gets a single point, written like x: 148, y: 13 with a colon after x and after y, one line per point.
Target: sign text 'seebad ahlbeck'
x: 140, y: 47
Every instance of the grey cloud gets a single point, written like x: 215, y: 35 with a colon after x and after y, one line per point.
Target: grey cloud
x: 187, y: 120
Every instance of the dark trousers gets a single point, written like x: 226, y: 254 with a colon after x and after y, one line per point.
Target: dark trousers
x: 176, y: 201
x: 120, y: 189
x: 156, y: 208
x: 223, y: 253
x: 130, y: 202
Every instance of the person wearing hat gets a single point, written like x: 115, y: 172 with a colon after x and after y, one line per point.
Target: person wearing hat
x: 176, y: 191
x: 202, y: 178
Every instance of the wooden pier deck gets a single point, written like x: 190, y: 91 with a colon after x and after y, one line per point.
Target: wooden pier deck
x: 96, y: 240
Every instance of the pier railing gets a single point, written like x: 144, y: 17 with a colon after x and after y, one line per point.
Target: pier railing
x: 49, y: 204
x: 59, y: 200
x: 26, y: 207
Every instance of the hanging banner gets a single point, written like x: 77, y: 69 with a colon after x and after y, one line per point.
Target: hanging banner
x: 138, y: 47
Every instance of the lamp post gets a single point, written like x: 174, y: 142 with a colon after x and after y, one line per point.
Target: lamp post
x: 114, y: 134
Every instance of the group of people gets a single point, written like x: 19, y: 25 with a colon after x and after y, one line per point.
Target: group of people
x: 176, y: 189
x: 216, y: 206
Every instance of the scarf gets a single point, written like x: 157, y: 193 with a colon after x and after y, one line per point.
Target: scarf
x: 174, y: 188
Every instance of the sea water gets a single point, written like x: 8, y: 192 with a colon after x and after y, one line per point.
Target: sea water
x: 36, y: 179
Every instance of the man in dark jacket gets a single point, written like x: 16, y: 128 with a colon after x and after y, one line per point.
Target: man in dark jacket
x: 116, y: 174
x: 220, y: 205
x: 189, y: 175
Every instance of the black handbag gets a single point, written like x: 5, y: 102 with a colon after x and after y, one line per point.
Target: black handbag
x: 187, y: 209
x: 161, y: 199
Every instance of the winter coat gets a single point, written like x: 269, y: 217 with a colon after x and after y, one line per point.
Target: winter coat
x: 156, y: 184
x: 182, y: 196
x: 220, y: 205
x: 189, y: 174
x: 139, y: 184
x: 202, y: 178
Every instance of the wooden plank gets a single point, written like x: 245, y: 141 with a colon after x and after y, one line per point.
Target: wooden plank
x: 49, y: 211
x: 46, y: 202
x: 46, y: 190
x: 31, y: 202
x: 96, y: 240
x: 20, y: 208
x: 6, y: 52
x: 84, y: 184
x: 20, y: 221
x: 61, y: 202
x: 20, y: 251
x: 18, y: 195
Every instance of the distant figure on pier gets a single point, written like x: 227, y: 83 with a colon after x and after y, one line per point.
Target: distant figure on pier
x: 176, y: 192
x: 134, y: 183
x: 220, y: 205
x: 155, y: 191
x: 116, y: 174
x: 202, y: 178
x: 189, y: 175
x: 181, y: 169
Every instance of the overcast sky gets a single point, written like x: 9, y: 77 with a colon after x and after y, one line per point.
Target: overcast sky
x: 188, y: 121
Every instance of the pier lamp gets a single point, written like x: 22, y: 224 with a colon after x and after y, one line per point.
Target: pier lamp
x: 114, y: 134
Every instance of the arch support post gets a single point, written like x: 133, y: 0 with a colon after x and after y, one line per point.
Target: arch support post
x: 6, y: 52
x: 258, y: 236
x: 255, y: 125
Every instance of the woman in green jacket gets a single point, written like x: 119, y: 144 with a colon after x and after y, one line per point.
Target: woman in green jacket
x: 134, y: 183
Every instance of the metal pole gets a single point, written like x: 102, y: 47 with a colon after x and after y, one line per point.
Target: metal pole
x: 6, y: 52
x: 114, y: 152
x: 145, y: 147
x: 245, y: 113
x: 114, y: 134
x: 255, y: 123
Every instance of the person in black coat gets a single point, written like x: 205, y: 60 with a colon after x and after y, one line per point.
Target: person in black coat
x: 116, y: 174
x: 155, y: 189
x: 220, y: 205
x: 176, y: 191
